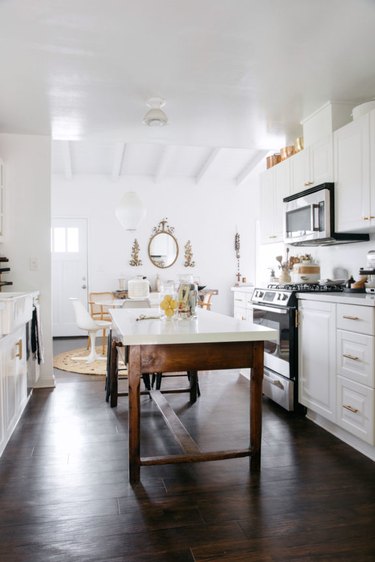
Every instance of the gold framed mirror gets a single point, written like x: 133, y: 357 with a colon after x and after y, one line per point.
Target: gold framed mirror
x: 163, y: 246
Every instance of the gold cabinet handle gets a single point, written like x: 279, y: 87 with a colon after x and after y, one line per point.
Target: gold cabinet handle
x: 348, y: 356
x: 308, y: 183
x: 272, y: 236
x: 371, y: 217
x: 19, y: 350
x: 366, y: 218
x: 351, y: 317
x: 350, y: 408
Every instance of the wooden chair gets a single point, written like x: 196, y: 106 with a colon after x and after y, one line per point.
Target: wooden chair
x: 114, y: 373
x: 100, y: 312
x: 205, y: 302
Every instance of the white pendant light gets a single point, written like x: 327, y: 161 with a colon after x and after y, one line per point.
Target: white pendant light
x: 155, y: 116
x: 130, y: 211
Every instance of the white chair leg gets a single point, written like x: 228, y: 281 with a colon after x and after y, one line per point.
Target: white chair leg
x: 92, y: 356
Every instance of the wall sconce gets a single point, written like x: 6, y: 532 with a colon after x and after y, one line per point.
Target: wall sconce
x: 130, y: 211
x: 189, y: 262
x: 237, y: 247
x: 135, y: 260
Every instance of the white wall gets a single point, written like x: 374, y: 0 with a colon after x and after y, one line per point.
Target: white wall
x: 27, y: 225
x: 206, y: 214
x: 332, y: 259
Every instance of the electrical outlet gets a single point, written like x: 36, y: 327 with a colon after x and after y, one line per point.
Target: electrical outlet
x: 33, y: 264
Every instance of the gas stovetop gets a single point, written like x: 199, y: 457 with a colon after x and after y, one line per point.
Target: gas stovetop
x: 308, y: 287
x: 285, y: 295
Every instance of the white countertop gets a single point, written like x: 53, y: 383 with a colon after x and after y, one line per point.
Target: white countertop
x: 362, y: 299
x: 243, y: 288
x: 208, y: 327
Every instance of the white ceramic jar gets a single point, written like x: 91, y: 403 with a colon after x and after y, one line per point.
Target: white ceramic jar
x: 306, y: 272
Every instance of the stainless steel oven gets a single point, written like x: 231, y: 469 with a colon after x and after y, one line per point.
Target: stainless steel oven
x: 277, y: 309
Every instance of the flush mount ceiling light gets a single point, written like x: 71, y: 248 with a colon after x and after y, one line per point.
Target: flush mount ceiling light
x: 130, y: 210
x: 155, y: 116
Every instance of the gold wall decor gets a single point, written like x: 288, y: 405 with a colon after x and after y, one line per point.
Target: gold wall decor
x: 135, y: 260
x: 163, y: 246
x: 237, y: 247
x: 189, y: 262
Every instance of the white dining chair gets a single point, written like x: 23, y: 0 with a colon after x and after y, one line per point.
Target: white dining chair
x: 88, y: 324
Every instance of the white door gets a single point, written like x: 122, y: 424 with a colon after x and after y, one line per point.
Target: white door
x: 69, y: 272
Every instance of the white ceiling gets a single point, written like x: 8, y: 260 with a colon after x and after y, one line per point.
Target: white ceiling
x: 236, y: 74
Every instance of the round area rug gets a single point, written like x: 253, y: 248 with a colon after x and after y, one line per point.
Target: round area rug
x: 64, y: 362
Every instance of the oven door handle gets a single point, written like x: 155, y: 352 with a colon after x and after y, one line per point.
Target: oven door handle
x: 270, y: 309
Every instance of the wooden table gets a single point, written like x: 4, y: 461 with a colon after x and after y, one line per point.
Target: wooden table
x: 211, y: 341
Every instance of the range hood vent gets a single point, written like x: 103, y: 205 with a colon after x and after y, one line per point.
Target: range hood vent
x: 334, y: 240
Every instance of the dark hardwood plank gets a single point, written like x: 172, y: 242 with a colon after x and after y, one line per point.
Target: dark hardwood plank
x: 65, y: 496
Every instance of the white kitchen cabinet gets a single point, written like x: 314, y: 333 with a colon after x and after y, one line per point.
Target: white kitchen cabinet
x: 312, y: 166
x: 275, y: 185
x: 242, y: 308
x: 13, y: 384
x: 2, y: 199
x: 317, y: 357
x: 354, y: 195
x: 338, y: 325
x: 355, y: 370
x: 355, y: 409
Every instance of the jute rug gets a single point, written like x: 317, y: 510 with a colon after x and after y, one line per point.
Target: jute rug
x: 64, y: 362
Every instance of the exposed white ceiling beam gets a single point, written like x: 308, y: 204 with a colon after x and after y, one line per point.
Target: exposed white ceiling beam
x: 246, y: 171
x: 207, y: 164
x: 67, y: 160
x: 163, y: 163
x: 118, y: 160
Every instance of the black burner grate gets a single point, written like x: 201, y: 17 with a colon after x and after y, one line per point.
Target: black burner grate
x: 308, y: 287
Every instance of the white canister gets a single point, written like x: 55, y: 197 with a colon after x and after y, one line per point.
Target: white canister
x: 306, y: 272
x: 138, y: 288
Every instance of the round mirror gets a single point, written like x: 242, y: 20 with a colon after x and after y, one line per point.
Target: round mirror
x: 163, y: 249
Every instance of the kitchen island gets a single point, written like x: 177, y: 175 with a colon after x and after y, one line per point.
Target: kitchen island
x: 210, y: 341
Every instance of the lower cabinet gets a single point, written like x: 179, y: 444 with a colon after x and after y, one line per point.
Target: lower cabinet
x: 242, y: 308
x: 13, y: 382
x: 317, y: 357
x: 337, y: 364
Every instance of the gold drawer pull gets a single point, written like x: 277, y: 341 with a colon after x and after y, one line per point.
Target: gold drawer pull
x: 308, y: 183
x: 348, y: 356
x: 273, y: 236
x: 350, y: 408
x: 351, y: 317
x: 366, y: 218
x: 19, y: 351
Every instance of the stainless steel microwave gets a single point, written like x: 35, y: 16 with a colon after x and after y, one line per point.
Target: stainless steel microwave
x: 309, y: 219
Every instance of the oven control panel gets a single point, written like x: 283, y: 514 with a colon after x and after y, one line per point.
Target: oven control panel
x: 276, y: 297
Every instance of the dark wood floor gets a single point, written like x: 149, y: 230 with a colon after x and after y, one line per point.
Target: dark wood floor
x: 64, y: 492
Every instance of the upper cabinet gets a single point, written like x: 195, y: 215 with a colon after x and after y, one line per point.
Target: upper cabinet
x: 312, y: 166
x: 275, y: 185
x: 2, y: 204
x: 354, y: 153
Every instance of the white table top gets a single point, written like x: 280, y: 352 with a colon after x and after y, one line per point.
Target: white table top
x: 208, y: 327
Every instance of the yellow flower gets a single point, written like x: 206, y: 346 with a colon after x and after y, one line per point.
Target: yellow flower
x: 169, y: 305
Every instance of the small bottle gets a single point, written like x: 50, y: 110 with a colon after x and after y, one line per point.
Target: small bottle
x: 349, y: 282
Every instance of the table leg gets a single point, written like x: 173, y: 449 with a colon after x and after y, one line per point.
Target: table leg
x: 113, y: 374
x: 256, y: 381
x: 134, y: 378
